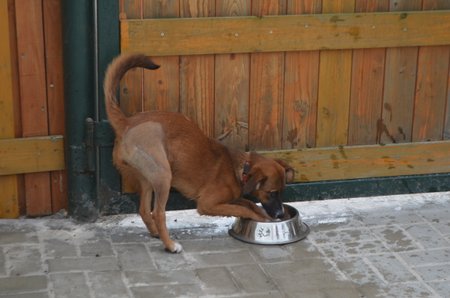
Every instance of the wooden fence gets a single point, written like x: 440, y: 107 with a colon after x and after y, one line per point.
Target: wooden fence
x: 342, y: 89
x: 31, y: 109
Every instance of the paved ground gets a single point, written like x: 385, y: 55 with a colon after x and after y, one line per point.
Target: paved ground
x: 396, y: 246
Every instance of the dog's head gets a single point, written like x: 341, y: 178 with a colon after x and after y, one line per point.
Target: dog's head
x: 265, y: 182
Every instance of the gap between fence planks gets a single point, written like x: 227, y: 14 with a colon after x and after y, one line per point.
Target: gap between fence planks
x: 185, y: 36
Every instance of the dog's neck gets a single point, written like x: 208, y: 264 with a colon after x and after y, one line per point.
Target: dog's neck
x: 241, y: 164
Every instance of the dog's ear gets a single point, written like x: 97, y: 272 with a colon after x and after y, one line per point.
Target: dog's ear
x: 289, y: 171
x: 255, y: 179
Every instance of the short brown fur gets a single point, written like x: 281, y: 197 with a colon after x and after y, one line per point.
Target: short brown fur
x: 159, y: 150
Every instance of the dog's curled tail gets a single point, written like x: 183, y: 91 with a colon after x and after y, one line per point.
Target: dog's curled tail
x: 116, y: 70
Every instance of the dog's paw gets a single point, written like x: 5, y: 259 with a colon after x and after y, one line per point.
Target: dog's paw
x: 176, y: 248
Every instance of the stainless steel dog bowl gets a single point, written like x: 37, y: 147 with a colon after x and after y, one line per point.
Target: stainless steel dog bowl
x: 273, y: 232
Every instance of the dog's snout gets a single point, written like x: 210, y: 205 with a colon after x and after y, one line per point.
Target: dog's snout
x: 279, y: 214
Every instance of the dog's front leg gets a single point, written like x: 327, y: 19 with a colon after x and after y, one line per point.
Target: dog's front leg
x: 230, y: 209
x: 252, y: 206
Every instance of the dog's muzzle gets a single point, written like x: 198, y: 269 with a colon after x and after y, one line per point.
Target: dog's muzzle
x: 274, y: 206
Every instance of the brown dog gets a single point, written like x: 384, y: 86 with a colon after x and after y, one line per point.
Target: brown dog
x: 160, y: 150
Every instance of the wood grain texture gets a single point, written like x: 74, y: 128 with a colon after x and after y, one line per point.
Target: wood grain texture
x: 431, y: 86
x: 266, y: 88
x: 9, y: 204
x: 334, y: 87
x: 197, y: 74
x: 30, y: 155
x: 232, y: 86
x: 285, y: 33
x: 354, y: 162
x: 367, y: 85
x: 300, y: 88
x: 398, y: 95
x: 34, y: 109
x: 131, y: 84
x: 162, y: 87
x: 55, y: 92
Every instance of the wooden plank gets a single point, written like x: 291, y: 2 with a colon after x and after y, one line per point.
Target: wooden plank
x: 334, y: 87
x: 342, y: 163
x: 399, y: 84
x: 285, y: 33
x: 9, y: 204
x: 131, y: 84
x: 197, y: 74
x: 55, y: 92
x: 162, y: 87
x: 367, y: 85
x: 266, y: 88
x: 431, y: 86
x: 30, y: 44
x: 300, y: 88
x: 232, y: 86
x: 30, y: 155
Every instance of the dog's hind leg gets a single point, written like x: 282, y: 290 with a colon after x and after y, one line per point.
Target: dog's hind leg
x: 145, y: 208
x: 153, y: 165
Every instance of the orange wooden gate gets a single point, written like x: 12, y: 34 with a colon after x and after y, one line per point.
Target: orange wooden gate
x: 32, y: 180
x: 351, y: 89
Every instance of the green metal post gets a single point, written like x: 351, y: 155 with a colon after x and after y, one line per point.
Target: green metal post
x: 79, y: 82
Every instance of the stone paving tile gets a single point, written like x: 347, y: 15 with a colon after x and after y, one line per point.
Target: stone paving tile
x: 56, y: 248
x: 427, y: 236
x: 390, y: 268
x: 167, y: 291
x: 132, y: 235
x: 390, y: 217
x: 338, y: 249
x: 358, y: 270
x: 252, y: 279
x: 443, y: 227
x: 411, y: 289
x: 2, y: 262
x: 302, y: 250
x: 220, y: 259
x: 19, y: 284
x: 270, y: 254
x: 101, y: 248
x: 435, y: 214
x: 343, y: 235
x: 434, y: 272
x: 134, y: 256
x: 426, y: 257
x: 108, y: 284
x: 395, y: 250
x: 213, y: 245
x: 156, y: 277
x: 84, y: 264
x: 18, y: 237
x: 217, y: 281
x: 27, y: 295
x: 395, y: 238
x: 24, y: 260
x: 72, y: 285
x: 173, y: 262
x: 441, y: 287
x: 313, y: 278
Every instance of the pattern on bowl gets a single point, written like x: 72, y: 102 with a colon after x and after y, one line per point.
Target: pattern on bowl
x: 273, y: 232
